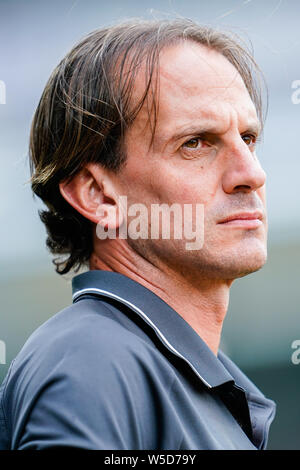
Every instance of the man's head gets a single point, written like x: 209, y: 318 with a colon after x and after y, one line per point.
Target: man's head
x: 162, y: 112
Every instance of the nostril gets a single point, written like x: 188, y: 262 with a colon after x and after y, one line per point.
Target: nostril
x: 242, y: 187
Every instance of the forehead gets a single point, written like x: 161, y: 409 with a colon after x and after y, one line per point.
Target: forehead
x: 195, y: 84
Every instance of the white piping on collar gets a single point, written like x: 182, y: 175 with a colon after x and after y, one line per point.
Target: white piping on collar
x: 92, y: 290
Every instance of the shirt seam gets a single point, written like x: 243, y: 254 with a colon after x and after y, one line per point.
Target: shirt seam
x: 268, y: 423
x: 257, y: 405
x: 169, y: 392
x: 5, y: 420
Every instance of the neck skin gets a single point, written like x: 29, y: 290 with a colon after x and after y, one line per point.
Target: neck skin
x: 203, y: 306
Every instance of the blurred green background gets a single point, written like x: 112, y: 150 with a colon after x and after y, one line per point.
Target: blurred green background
x: 263, y: 318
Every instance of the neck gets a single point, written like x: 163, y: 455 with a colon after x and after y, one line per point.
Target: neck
x: 202, y: 303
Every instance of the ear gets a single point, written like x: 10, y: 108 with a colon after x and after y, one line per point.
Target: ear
x: 92, y: 193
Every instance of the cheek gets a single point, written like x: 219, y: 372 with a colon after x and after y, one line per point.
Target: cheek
x: 185, y: 186
x: 168, y: 182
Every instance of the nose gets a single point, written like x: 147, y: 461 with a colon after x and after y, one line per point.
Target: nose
x: 243, y: 172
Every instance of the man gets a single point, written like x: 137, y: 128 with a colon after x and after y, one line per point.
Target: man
x: 154, y: 113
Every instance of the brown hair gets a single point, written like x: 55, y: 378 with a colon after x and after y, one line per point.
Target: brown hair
x: 86, y: 107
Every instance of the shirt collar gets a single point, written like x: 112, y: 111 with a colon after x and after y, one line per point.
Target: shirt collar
x: 172, y: 330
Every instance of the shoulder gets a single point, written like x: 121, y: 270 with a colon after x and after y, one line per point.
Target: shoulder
x: 83, y: 367
x: 84, y: 335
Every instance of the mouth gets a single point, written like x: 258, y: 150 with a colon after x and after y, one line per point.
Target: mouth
x: 248, y: 220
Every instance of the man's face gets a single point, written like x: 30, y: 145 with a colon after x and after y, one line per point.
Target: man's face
x: 203, y: 153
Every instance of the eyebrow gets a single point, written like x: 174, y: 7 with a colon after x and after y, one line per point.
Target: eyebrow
x: 254, y: 127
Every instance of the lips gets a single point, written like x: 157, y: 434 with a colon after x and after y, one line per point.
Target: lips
x: 243, y: 216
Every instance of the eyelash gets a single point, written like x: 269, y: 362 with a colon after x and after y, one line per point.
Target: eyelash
x: 255, y: 138
x: 190, y: 140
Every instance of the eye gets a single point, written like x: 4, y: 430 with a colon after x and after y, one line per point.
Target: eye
x: 249, y: 139
x: 196, y: 147
x: 193, y: 143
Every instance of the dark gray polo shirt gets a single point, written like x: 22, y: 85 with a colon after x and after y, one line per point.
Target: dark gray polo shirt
x: 120, y: 369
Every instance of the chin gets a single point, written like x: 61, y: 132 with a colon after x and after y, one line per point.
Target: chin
x: 231, y: 262
x: 244, y: 270
x: 245, y: 261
